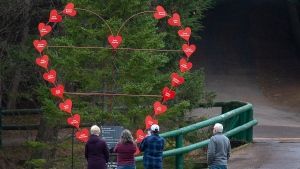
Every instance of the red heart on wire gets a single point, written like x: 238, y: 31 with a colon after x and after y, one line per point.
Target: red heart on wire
x: 42, y: 61
x: 185, y: 33
x: 115, y: 41
x: 44, y: 29
x: 58, y: 91
x: 69, y: 10
x: 176, y: 80
x: 188, y: 49
x: 54, y: 16
x: 149, y: 121
x: 50, y: 76
x: 160, y: 12
x: 159, y: 108
x: 40, y: 45
x: 66, y: 106
x: 174, y: 20
x: 140, y: 135
x: 184, y: 65
x: 168, y: 94
x: 74, y: 120
x: 82, y: 135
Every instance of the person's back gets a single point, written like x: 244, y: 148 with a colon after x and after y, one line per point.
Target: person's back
x: 153, y: 146
x: 125, y: 153
x: 125, y: 150
x: 218, y: 149
x: 96, y: 151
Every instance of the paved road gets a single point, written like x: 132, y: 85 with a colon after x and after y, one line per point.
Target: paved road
x: 242, y: 54
x: 267, y: 155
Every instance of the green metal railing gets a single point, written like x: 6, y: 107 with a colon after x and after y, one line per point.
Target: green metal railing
x: 238, y: 122
x: 237, y: 118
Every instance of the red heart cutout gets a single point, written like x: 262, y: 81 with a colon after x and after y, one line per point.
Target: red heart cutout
x: 42, y: 61
x: 185, y: 33
x: 69, y: 10
x: 74, y: 121
x: 176, y: 80
x: 149, y: 121
x: 160, y: 12
x: 188, y: 49
x: 140, y: 135
x: 50, y: 76
x: 54, y: 16
x: 184, y: 65
x: 44, y: 29
x: 168, y: 94
x: 58, y: 91
x: 159, y: 108
x: 66, y: 106
x: 40, y: 45
x: 82, y: 135
x: 137, y: 151
x: 115, y: 41
x: 174, y: 20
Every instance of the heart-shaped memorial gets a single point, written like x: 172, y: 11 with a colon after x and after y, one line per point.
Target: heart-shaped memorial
x: 54, y: 16
x: 58, y: 90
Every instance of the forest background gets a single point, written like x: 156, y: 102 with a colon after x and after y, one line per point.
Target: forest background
x: 86, y: 70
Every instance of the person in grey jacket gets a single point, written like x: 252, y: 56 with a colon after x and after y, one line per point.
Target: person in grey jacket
x: 218, y: 149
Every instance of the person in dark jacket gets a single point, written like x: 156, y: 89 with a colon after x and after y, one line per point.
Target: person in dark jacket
x: 96, y: 150
x: 218, y: 149
x: 125, y: 150
x: 153, y: 147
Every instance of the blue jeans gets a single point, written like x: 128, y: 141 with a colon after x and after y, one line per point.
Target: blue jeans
x: 126, y: 167
x: 217, y: 167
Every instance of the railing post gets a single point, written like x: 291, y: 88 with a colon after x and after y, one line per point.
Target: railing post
x: 249, y: 132
x: 180, y: 157
x: 243, y: 119
x: 73, y: 135
x: 0, y: 128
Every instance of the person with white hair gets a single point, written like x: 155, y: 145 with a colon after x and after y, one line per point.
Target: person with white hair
x: 96, y: 150
x: 219, y: 149
x: 153, y: 147
x: 125, y: 150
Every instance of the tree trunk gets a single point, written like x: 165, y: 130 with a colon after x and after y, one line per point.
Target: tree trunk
x: 294, y: 20
x: 1, y: 92
x: 13, y: 94
x: 48, y: 134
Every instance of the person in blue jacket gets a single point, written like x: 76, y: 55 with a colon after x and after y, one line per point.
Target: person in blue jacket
x: 153, y: 147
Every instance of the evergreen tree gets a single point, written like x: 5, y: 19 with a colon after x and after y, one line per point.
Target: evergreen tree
x: 123, y: 71
x: 119, y: 71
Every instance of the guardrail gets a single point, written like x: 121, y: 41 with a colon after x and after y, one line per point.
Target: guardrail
x: 22, y: 112
x: 237, y: 118
x: 13, y: 112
